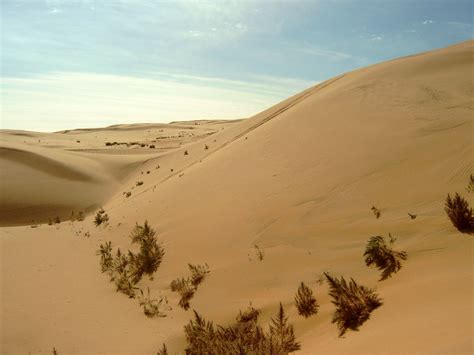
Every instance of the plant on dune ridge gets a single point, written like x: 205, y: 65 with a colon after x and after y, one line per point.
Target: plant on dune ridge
x: 381, y: 254
x: 259, y: 252
x: 305, y: 301
x: 152, y: 307
x: 101, y: 217
x: 151, y: 254
x: 243, y: 337
x: 459, y: 213
x: 353, y: 302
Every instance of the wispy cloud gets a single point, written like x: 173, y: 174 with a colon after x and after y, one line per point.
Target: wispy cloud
x: 56, y: 101
x: 327, y: 53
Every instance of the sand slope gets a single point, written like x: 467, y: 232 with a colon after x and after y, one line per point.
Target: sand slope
x: 299, y: 180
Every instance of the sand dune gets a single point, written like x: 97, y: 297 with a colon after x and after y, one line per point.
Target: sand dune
x: 298, y: 179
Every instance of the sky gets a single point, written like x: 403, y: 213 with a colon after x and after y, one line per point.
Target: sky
x: 91, y: 63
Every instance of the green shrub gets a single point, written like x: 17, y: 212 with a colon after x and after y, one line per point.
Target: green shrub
x: 305, y: 301
x: 381, y: 254
x: 353, y: 302
x: 459, y: 213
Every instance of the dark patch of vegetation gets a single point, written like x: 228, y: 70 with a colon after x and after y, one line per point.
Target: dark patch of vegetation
x: 186, y: 152
x: 101, y: 217
x: 376, y: 212
x: 243, y: 337
x: 206, y: 147
x: 305, y: 301
x: 163, y: 350
x: 152, y: 146
x: 57, y: 220
x: 106, y: 259
x: 459, y: 213
x: 470, y: 186
x: 187, y: 287
x: 127, y: 194
x: 139, y: 183
x: 353, y: 302
x: 382, y: 255
x: 412, y: 216
x: 152, y: 307
x: 259, y: 252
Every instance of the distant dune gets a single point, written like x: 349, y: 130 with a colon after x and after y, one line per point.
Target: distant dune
x: 298, y: 179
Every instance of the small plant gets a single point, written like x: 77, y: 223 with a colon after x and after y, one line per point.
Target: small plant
x: 376, y: 212
x: 305, y: 301
x: 163, y: 350
x: 80, y: 216
x: 55, y: 352
x: 185, y: 152
x: 128, y: 194
x: 353, y: 302
x: 152, y: 307
x: 101, y: 217
x: 412, y: 216
x: 459, y: 213
x: 470, y: 186
x: 282, y: 334
x: 50, y: 222
x: 139, y: 183
x: 259, y: 252
x: 125, y: 284
x: 57, y: 220
x: 198, y: 273
x: 151, y: 253
x: 381, y: 254
x: 206, y: 147
x: 185, y: 289
x: 106, y: 259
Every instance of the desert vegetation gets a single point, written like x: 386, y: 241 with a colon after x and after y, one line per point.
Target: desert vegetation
x: 353, y: 303
x: 187, y: 287
x: 459, y: 212
x: 305, y: 301
x: 243, y: 337
x: 470, y: 186
x: 377, y: 213
x: 381, y: 254
x: 259, y: 252
x: 101, y: 217
x: 153, y: 307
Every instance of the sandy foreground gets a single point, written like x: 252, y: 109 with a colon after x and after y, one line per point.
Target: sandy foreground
x: 298, y: 179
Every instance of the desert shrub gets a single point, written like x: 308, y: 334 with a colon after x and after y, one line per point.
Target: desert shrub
x: 163, y: 350
x: 151, y: 254
x: 50, y: 222
x: 152, y: 146
x: 412, y: 216
x: 305, y: 301
x: 198, y: 273
x: 243, y: 337
x: 57, y: 220
x: 353, y: 302
x: 376, y: 212
x: 459, y: 213
x: 80, y: 216
x: 259, y: 252
x: 55, y: 352
x: 185, y: 289
x: 139, y: 183
x: 206, y: 147
x: 186, y: 152
x: 128, y: 194
x: 152, y: 307
x: 124, y: 283
x: 470, y: 186
x: 106, y: 259
x: 381, y: 254
x: 101, y: 217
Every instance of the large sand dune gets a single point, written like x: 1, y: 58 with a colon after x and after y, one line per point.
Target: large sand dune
x: 298, y: 179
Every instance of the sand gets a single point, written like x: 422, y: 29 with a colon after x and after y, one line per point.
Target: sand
x: 298, y: 179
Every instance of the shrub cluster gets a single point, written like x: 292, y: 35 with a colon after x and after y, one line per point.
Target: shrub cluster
x: 353, y: 302
x: 376, y: 212
x: 243, y: 337
x: 126, y: 270
x: 152, y: 307
x: 187, y: 287
x: 381, y: 254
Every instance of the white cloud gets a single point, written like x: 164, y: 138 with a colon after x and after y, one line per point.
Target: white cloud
x: 427, y: 22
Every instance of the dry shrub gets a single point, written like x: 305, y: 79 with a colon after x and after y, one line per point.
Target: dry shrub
x: 187, y: 287
x: 259, y: 252
x: 353, y: 302
x: 198, y: 273
x: 243, y: 337
x: 376, y: 212
x: 459, y: 213
x: 381, y: 254
x: 153, y: 307
x: 305, y: 301
x: 101, y: 217
x: 106, y: 259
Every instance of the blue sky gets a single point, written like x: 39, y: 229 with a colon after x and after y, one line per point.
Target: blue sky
x: 90, y: 63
